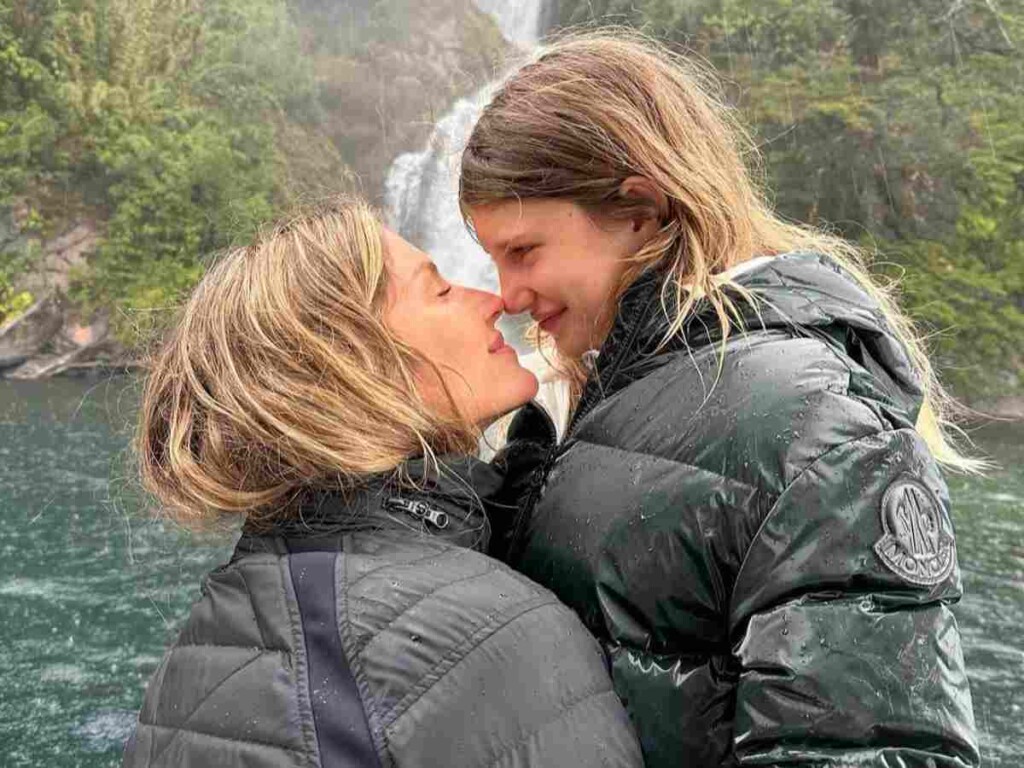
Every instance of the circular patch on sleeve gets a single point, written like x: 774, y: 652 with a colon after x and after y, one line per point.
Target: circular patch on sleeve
x: 917, y: 545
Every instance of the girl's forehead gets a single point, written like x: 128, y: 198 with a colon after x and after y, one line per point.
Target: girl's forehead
x: 498, y: 224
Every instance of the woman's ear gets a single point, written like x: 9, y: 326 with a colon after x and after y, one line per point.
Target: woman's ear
x: 645, y: 189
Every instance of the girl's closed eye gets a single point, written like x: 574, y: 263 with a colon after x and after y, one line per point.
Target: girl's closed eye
x: 519, y: 252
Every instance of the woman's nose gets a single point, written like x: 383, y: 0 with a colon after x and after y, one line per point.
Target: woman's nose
x: 494, y: 306
x: 490, y: 305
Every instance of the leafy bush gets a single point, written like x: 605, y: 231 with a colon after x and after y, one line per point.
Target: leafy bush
x: 161, y: 115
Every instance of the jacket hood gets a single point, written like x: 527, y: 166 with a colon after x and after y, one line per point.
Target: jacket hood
x: 449, y: 502
x: 811, y: 294
x: 808, y: 294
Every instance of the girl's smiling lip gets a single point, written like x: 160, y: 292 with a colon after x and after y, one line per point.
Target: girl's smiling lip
x: 549, y: 323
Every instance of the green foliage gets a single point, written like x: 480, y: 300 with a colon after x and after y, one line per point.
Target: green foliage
x: 13, y: 303
x: 900, y: 125
x: 175, y: 126
x: 176, y: 193
x: 163, y: 114
x: 13, y: 262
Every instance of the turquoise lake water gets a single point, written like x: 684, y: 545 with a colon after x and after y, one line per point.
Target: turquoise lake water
x: 91, y: 591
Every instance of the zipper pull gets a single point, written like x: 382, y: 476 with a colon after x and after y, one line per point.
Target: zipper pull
x: 420, y: 510
x: 436, y: 517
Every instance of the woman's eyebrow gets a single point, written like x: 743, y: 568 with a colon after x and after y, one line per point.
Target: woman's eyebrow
x: 425, y: 267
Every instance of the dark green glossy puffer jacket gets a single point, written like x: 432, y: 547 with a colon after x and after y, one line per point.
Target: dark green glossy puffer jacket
x: 766, y: 548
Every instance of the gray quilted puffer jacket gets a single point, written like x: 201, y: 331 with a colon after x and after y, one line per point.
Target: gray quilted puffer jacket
x: 371, y: 634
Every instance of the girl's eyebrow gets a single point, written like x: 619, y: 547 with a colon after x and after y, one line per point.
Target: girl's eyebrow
x: 512, y: 243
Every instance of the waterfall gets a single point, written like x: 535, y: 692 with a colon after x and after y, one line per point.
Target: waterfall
x: 421, y: 187
x: 518, y: 21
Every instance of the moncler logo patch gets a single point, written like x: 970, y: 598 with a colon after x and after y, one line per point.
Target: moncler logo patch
x: 916, y: 545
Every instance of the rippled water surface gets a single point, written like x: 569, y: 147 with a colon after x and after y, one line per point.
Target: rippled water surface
x: 90, y: 593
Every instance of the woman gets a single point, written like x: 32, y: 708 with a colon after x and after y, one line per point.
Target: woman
x: 312, y: 384
x: 746, y: 507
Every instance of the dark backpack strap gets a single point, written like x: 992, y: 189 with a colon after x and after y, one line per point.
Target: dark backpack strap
x: 342, y: 730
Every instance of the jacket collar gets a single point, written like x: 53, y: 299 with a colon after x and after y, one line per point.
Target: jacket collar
x: 802, y: 293
x: 636, y: 323
x: 450, y: 504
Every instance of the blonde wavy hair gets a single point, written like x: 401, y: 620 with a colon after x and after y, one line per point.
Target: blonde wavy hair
x: 281, y: 376
x: 594, y: 108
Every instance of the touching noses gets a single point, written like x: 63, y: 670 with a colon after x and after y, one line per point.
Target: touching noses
x: 517, y: 297
x: 492, y: 304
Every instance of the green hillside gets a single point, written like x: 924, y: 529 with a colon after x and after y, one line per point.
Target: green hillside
x: 171, y: 128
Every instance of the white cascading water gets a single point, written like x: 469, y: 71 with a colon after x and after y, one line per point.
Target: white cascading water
x: 421, y: 189
x: 422, y: 201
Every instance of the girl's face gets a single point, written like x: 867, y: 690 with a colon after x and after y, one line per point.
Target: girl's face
x: 558, y: 263
x: 453, y: 327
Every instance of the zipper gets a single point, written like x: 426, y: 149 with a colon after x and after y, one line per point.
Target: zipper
x: 420, y: 510
x: 594, y: 390
x: 537, y: 483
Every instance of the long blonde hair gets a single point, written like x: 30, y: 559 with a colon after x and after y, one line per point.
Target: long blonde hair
x: 595, y: 108
x: 280, y: 375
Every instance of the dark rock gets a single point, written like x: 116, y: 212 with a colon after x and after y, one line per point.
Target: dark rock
x: 27, y: 334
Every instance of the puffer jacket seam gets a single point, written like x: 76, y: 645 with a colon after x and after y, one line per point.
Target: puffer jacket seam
x: 566, y: 706
x: 193, y: 732
x: 441, y: 551
x: 495, y: 623
x: 358, y: 649
x: 181, y: 728
x: 771, y: 510
x: 255, y: 648
x: 252, y: 605
x: 373, y: 718
x: 676, y: 462
x: 815, y: 333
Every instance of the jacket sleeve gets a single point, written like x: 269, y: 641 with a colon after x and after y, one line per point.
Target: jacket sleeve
x: 840, y: 617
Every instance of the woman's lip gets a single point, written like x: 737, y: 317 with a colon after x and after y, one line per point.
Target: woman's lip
x: 498, y: 343
x: 548, y: 323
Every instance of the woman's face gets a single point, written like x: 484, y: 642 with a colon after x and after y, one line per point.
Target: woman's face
x: 453, y: 327
x: 558, y: 263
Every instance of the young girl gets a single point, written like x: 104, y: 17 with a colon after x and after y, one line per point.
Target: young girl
x: 314, y: 384
x: 746, y: 506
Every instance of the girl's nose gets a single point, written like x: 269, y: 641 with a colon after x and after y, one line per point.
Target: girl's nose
x: 517, y: 298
